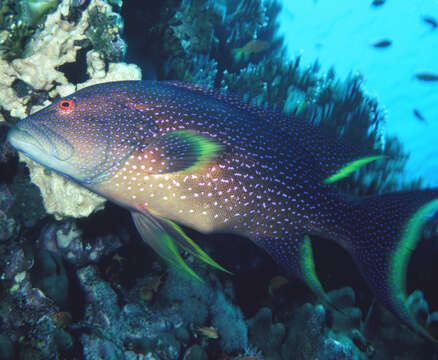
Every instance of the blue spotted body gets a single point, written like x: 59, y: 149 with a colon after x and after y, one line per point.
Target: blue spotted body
x: 176, y: 153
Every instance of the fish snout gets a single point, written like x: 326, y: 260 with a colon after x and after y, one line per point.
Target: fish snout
x: 32, y: 140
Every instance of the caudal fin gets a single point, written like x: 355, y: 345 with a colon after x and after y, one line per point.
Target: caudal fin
x: 389, y: 228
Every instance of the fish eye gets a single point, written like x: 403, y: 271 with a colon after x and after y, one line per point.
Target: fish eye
x: 66, y: 105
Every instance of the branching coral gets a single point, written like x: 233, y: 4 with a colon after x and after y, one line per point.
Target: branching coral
x: 104, y: 32
x: 18, y: 22
x: 13, y: 41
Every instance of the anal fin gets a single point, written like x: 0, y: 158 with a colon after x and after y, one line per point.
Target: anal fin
x: 296, y: 256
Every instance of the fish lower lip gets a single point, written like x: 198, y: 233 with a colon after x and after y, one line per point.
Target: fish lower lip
x: 16, y: 136
x: 21, y: 139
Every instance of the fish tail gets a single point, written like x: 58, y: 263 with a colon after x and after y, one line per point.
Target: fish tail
x: 384, y: 233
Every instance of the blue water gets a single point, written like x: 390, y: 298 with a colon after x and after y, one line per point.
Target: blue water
x: 339, y: 34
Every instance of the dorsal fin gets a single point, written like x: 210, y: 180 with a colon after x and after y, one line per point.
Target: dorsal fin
x: 334, y: 158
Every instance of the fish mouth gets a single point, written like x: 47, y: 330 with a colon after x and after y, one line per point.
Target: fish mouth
x: 34, y: 148
x: 23, y: 141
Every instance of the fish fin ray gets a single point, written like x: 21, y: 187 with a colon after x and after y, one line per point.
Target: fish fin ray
x: 350, y: 167
x: 391, y: 227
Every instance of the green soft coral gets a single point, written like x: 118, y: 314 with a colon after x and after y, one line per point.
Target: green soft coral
x: 6, y: 13
x: 18, y: 22
x: 13, y: 41
x: 32, y: 12
x: 104, y: 33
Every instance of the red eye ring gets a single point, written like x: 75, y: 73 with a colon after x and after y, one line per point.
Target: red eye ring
x: 66, y: 105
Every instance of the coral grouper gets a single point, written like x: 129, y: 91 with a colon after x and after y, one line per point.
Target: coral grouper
x: 176, y: 153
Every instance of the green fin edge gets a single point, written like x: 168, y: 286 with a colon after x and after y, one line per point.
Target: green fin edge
x: 399, y: 262
x: 308, y: 272
x: 175, y: 258
x: 206, y: 148
x: 163, y: 244
x: 196, y: 251
x: 351, y: 167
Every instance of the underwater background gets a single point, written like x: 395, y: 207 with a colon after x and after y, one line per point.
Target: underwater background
x: 77, y: 282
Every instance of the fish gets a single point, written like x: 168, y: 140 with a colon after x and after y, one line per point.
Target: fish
x: 419, y: 115
x: 251, y: 47
x: 431, y: 21
x: 209, y: 332
x: 427, y: 76
x: 176, y: 154
x: 377, y: 3
x: 276, y: 283
x: 380, y: 44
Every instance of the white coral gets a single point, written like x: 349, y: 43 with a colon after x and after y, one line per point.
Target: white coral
x: 54, y: 45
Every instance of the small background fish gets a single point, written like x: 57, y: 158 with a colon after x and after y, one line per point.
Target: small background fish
x: 419, y: 115
x: 430, y: 21
x: 427, y: 76
x: 381, y: 44
x: 377, y: 3
x: 251, y: 47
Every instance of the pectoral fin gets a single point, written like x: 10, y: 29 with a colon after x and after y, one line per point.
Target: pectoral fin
x: 183, y: 150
